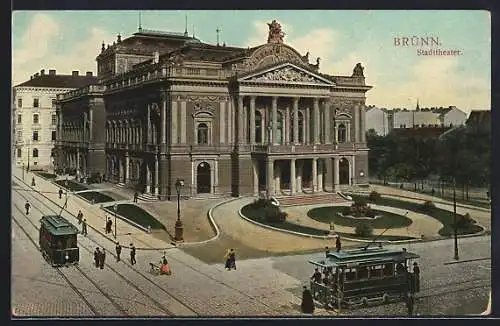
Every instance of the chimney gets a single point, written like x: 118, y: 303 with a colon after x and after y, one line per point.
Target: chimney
x: 52, y: 72
x: 42, y: 72
x: 36, y: 75
x: 74, y: 73
x: 31, y: 77
x: 89, y: 74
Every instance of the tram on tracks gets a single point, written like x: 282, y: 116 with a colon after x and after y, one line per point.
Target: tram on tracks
x: 58, y: 241
x: 363, y: 276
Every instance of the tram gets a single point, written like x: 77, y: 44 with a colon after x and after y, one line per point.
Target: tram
x: 58, y: 241
x: 363, y: 276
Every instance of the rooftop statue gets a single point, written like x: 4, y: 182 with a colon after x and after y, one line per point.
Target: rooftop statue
x: 275, y: 33
x: 358, y: 70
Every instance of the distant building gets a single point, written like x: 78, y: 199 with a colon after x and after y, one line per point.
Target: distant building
x: 451, y: 116
x: 480, y: 120
x: 34, y: 117
x: 378, y: 120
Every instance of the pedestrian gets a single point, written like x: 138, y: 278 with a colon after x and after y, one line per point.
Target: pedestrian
x: 97, y: 254
x: 228, y: 260
x: 102, y: 258
x: 327, y: 251
x: 232, y: 259
x: 132, y: 254
x: 416, y: 273
x: 118, y: 251
x: 433, y: 191
x: 33, y: 182
x: 60, y: 193
x: 338, y: 244
x: 316, y: 277
x: 84, y: 227
x: 79, y: 217
x: 27, y: 206
x: 165, y: 268
x: 106, y: 226
x: 136, y: 196
x: 110, y: 225
x: 307, y: 305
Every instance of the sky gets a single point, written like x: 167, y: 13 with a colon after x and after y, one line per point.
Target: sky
x: 399, y: 74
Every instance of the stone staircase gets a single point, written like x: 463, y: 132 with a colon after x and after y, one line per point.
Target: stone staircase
x: 120, y: 185
x: 147, y: 197
x: 312, y: 199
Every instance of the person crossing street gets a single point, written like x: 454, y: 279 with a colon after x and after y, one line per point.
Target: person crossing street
x: 60, y: 193
x: 84, y: 227
x: 118, y: 251
x: 132, y: 254
x: 27, y: 207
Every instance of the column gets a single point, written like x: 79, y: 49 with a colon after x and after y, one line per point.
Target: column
x: 77, y: 160
x: 300, y: 166
x: 148, y: 178
x: 328, y: 125
x: 320, y: 174
x: 269, y: 177
x: 120, y: 170
x: 91, y: 124
x: 286, y: 125
x: 183, y: 122
x: 356, y: 123
x: 156, y: 176
x: 252, y: 120
x: 362, y: 115
x: 348, y: 132
x: 315, y: 174
x: 316, y: 120
x: 222, y: 122
x: 274, y: 121
x: 230, y: 121
x: 292, y: 177
x: 255, y: 167
x: 174, y: 120
x: 277, y: 179
x: 216, y: 176
x: 127, y: 171
x: 353, y: 170
x: 335, y: 133
x: 241, y: 120
x: 149, y: 131
x: 295, y: 120
x: 336, y: 173
x: 163, y: 119
x: 307, y: 126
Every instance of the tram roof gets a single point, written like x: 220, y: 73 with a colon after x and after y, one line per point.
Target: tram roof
x: 58, y: 225
x: 361, y: 256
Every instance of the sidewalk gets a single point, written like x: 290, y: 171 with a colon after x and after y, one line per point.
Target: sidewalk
x: 94, y: 215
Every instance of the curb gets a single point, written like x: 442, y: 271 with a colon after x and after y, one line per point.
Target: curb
x: 212, y: 224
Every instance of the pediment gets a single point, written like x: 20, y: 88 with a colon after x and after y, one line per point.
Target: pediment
x: 286, y: 74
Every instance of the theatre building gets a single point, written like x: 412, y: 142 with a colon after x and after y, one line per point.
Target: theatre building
x: 225, y: 120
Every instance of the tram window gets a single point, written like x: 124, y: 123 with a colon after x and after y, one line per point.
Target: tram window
x: 71, y: 242
x: 376, y: 271
x: 362, y: 272
x: 389, y: 269
x: 350, y: 274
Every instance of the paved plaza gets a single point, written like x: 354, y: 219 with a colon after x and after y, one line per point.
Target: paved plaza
x: 267, y: 283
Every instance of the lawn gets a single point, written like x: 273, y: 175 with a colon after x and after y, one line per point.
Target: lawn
x: 46, y: 175
x: 137, y: 215
x: 97, y: 197
x: 442, y: 215
x: 331, y: 214
x: 381, y: 238
x: 70, y: 185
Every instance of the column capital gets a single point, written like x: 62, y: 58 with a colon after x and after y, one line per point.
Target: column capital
x: 316, y: 100
x: 296, y: 100
x: 275, y: 99
x: 252, y: 98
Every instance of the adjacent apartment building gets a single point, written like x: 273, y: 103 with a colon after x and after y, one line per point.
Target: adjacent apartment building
x: 34, y: 118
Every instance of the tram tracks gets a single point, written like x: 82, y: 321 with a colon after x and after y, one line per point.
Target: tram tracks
x: 183, y: 310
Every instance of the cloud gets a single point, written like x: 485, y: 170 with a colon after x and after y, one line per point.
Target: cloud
x: 34, y: 52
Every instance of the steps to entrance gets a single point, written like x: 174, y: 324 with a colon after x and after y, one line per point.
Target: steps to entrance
x: 120, y: 185
x: 312, y: 199
x: 147, y: 197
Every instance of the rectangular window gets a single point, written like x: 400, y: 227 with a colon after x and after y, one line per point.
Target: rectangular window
x: 19, y: 102
x: 19, y: 134
x: 53, y: 135
x: 19, y: 118
x: 54, y: 119
x: 19, y: 152
x: 35, y: 118
x: 53, y: 102
x: 35, y: 135
x: 36, y: 102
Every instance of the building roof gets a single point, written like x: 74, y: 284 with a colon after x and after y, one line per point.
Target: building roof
x: 479, y: 116
x: 420, y: 132
x: 59, y: 81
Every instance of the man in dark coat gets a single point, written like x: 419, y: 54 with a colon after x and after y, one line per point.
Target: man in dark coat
x: 60, y: 193
x: 102, y: 258
x: 79, y: 217
x: 132, y: 254
x: 27, y: 207
x: 338, y: 244
x: 136, y: 196
x: 118, y: 251
x: 416, y: 272
x: 97, y: 255
x: 307, y: 305
x: 327, y: 251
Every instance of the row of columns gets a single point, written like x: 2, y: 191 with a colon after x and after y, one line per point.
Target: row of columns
x: 296, y: 173
x: 124, y: 172
x: 73, y: 161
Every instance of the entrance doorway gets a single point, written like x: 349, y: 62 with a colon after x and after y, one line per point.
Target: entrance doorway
x: 344, y: 171
x: 203, y: 178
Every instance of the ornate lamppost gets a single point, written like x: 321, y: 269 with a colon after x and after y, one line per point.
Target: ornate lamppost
x: 179, y: 228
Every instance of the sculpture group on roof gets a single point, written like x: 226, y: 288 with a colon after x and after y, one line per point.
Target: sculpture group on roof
x: 275, y: 34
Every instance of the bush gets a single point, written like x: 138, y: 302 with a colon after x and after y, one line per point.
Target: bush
x: 464, y: 221
x: 427, y: 206
x: 269, y: 212
x: 363, y: 230
x: 374, y: 196
x: 346, y: 211
x: 360, y: 202
x: 370, y: 213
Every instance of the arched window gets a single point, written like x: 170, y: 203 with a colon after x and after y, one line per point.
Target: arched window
x: 35, y: 152
x: 279, y: 128
x: 258, y: 127
x: 301, y: 127
x: 202, y: 134
x: 341, y: 136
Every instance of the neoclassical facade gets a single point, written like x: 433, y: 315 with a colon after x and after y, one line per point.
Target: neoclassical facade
x: 226, y: 120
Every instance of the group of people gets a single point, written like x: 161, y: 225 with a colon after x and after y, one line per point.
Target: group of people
x: 118, y: 249
x: 99, y: 257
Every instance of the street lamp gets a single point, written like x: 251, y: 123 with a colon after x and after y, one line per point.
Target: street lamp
x: 23, y: 171
x: 115, y: 209
x: 179, y: 229
x: 455, y: 219
x: 28, y: 148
